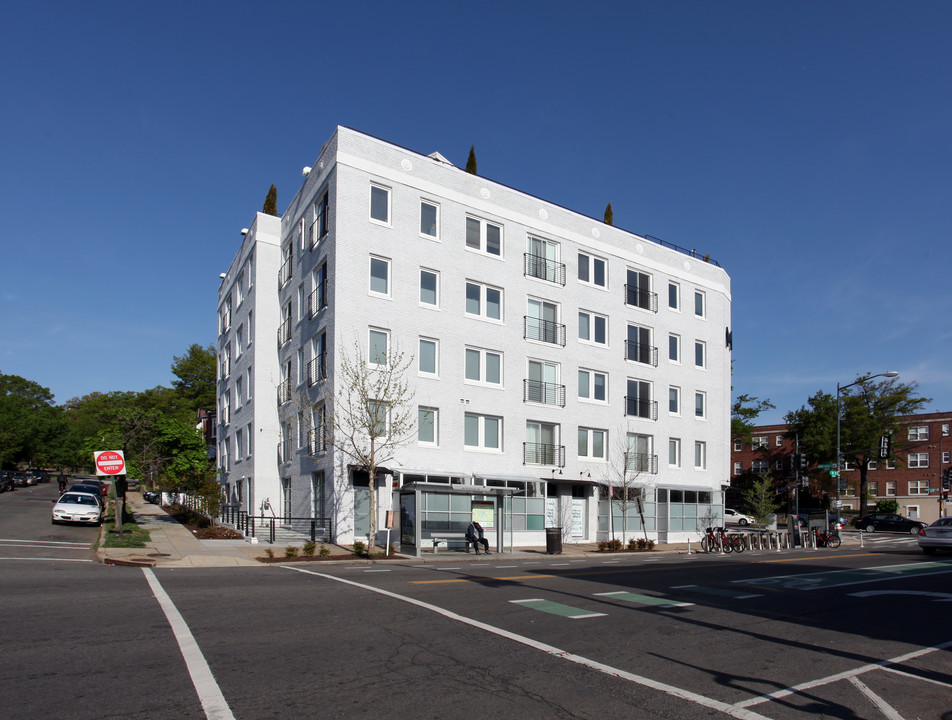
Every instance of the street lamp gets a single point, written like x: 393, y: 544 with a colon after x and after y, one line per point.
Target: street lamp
x: 889, y: 374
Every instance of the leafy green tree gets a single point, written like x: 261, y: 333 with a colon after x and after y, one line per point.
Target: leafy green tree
x: 868, y: 410
x: 745, y: 410
x: 271, y: 202
x: 195, y: 371
x: 471, y: 160
x: 31, y: 426
x: 887, y: 505
x: 609, y: 215
x: 761, y: 498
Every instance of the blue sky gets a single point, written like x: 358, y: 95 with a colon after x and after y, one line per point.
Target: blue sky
x: 806, y: 146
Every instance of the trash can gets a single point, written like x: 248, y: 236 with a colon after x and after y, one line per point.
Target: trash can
x: 553, y: 540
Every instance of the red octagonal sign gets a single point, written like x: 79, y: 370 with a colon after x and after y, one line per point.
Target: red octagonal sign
x: 110, y: 462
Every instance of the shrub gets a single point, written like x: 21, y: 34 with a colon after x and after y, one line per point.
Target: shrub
x: 308, y: 548
x: 269, y: 552
x: 290, y: 552
x: 360, y: 549
x: 324, y: 551
x: 634, y: 544
x: 613, y: 545
x: 391, y: 549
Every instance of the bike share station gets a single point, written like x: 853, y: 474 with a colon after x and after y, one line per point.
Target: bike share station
x: 437, y: 514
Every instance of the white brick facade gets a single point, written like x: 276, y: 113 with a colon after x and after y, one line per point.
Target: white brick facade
x: 533, y: 372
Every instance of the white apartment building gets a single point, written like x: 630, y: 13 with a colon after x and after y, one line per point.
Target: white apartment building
x: 553, y: 356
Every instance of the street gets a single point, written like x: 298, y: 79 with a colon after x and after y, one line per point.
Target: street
x: 849, y: 633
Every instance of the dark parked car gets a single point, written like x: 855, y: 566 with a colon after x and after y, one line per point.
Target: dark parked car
x: 887, y: 522
x: 6, y: 481
x: 91, y: 489
x: 151, y: 496
x: 19, y: 478
x: 103, y: 487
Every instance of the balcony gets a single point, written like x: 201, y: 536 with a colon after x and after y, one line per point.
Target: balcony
x: 284, y: 274
x: 284, y: 392
x: 284, y: 332
x: 284, y: 451
x: 642, y: 353
x: 539, y: 267
x: 641, y: 298
x: 636, y: 407
x: 537, y: 391
x: 317, y: 369
x: 317, y: 441
x: 543, y: 454
x: 544, y: 331
x: 317, y: 300
x: 641, y: 463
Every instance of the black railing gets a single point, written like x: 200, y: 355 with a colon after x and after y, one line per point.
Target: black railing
x: 284, y: 332
x: 640, y: 352
x: 544, y: 331
x: 284, y: 392
x: 317, y: 369
x: 539, y: 267
x: 637, y: 407
x: 317, y: 440
x: 318, y: 529
x: 317, y: 300
x: 641, y: 463
x: 543, y: 392
x: 284, y: 451
x: 284, y: 274
x: 543, y: 454
x: 639, y: 297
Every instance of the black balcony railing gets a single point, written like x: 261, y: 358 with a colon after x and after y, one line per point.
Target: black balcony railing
x: 640, y: 352
x: 639, y: 297
x: 637, y: 407
x: 317, y: 300
x: 284, y: 332
x: 317, y: 440
x: 539, y: 267
x: 284, y: 274
x: 544, y: 331
x: 543, y: 454
x: 284, y: 451
x: 284, y: 392
x: 542, y: 392
x: 317, y: 369
x: 641, y: 463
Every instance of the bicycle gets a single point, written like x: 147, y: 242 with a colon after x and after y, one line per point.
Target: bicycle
x: 826, y: 539
x: 715, y: 539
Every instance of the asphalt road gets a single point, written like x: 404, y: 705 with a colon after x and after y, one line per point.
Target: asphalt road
x: 862, y: 633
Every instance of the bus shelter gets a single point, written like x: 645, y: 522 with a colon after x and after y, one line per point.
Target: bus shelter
x: 431, y: 511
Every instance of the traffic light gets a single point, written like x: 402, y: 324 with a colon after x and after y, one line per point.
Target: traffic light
x: 947, y: 479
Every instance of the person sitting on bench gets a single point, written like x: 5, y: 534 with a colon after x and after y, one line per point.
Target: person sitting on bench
x: 474, y: 534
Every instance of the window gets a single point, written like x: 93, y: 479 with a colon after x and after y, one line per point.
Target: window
x: 591, y: 444
x: 429, y: 219
x: 700, y: 455
x: 284, y: 329
x: 249, y: 383
x: 428, y: 425
x: 542, y: 384
x: 542, y: 445
x: 700, y: 351
x: 638, y: 291
x: 378, y: 350
x: 946, y: 455
x: 482, y: 432
x: 287, y: 258
x: 638, y: 346
x: 759, y: 442
x: 240, y: 289
x: 738, y: 468
x: 542, y: 322
x: 317, y: 367
x: 317, y: 300
x: 239, y: 391
x: 674, y: 296
x: 592, y: 270
x: 378, y: 417
x: 239, y: 340
x: 638, y: 402
x: 429, y: 288
x: 483, y: 301
x: 890, y: 488
x: 301, y: 302
x: 674, y: 452
x: 592, y: 385
x: 760, y: 467
x: 778, y: 441
x: 592, y: 328
x: 380, y: 276
x: 674, y: 401
x: 700, y: 405
x: 319, y: 432
x: 945, y: 429
x: 639, y: 457
x: 380, y: 204
x: 674, y: 348
x: 318, y: 227
x: 919, y: 460
x: 542, y: 260
x: 873, y: 488
x: 301, y: 367
x: 428, y: 357
x: 483, y: 366
x: 484, y: 236
x: 738, y: 445
x: 239, y: 445
x: 918, y: 487
x: 919, y: 432
x: 700, y: 306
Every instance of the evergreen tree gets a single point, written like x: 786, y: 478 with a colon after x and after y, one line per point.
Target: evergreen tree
x: 608, y: 214
x: 271, y: 202
x: 471, y: 160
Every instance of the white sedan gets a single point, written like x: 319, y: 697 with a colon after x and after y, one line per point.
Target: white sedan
x: 937, y: 536
x: 77, y: 507
x: 732, y: 516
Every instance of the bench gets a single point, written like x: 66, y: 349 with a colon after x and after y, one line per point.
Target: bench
x: 450, y: 538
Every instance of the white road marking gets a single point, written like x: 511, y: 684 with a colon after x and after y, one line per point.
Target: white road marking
x: 48, y: 559
x: 731, y: 710
x: 881, y: 704
x: 210, y: 695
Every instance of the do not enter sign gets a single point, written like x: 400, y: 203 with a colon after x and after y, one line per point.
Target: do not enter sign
x: 110, y: 462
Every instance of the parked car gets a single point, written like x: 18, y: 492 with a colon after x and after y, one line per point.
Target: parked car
x: 887, y: 522
x: 151, y: 496
x: 80, y: 507
x: 733, y: 516
x: 19, y: 478
x: 93, y: 490
x: 6, y: 481
x: 103, y: 486
x: 937, y: 536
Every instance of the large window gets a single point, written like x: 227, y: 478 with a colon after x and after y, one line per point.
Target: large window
x: 542, y: 322
x: 591, y: 444
x: 592, y: 270
x: 428, y: 425
x: 638, y: 291
x: 542, y: 260
x: 429, y: 288
x: 483, y: 366
x: 482, y: 432
x: 483, y: 301
x: 919, y: 460
x: 380, y: 204
x: 542, y: 384
x: 380, y: 276
x: 429, y: 219
x: 674, y: 296
x: 378, y: 350
x: 592, y: 385
x: 638, y: 346
x: 483, y: 236
x: 918, y: 432
x: 542, y: 444
x: 428, y: 357
x: 638, y: 402
x: 592, y: 328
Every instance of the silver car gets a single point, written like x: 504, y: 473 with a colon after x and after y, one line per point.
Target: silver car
x: 937, y: 536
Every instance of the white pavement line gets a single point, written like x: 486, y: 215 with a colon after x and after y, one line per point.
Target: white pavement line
x: 48, y: 559
x: 855, y: 672
x: 727, y: 709
x: 884, y: 707
x: 213, y: 702
x: 46, y: 542
x: 913, y: 676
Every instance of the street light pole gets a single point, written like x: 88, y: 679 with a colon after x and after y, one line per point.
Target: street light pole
x: 889, y: 374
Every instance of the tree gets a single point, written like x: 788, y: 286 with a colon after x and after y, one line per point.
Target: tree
x: 195, y: 371
x: 609, y: 216
x: 371, y: 414
x: 31, y: 426
x: 745, y: 410
x: 271, y: 202
x: 626, y: 478
x: 868, y: 411
x: 471, y: 160
x: 761, y: 498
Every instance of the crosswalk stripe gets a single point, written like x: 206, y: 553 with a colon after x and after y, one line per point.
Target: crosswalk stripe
x: 554, y: 608
x: 644, y: 599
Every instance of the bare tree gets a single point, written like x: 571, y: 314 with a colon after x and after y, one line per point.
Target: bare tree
x: 370, y: 416
x: 626, y: 479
